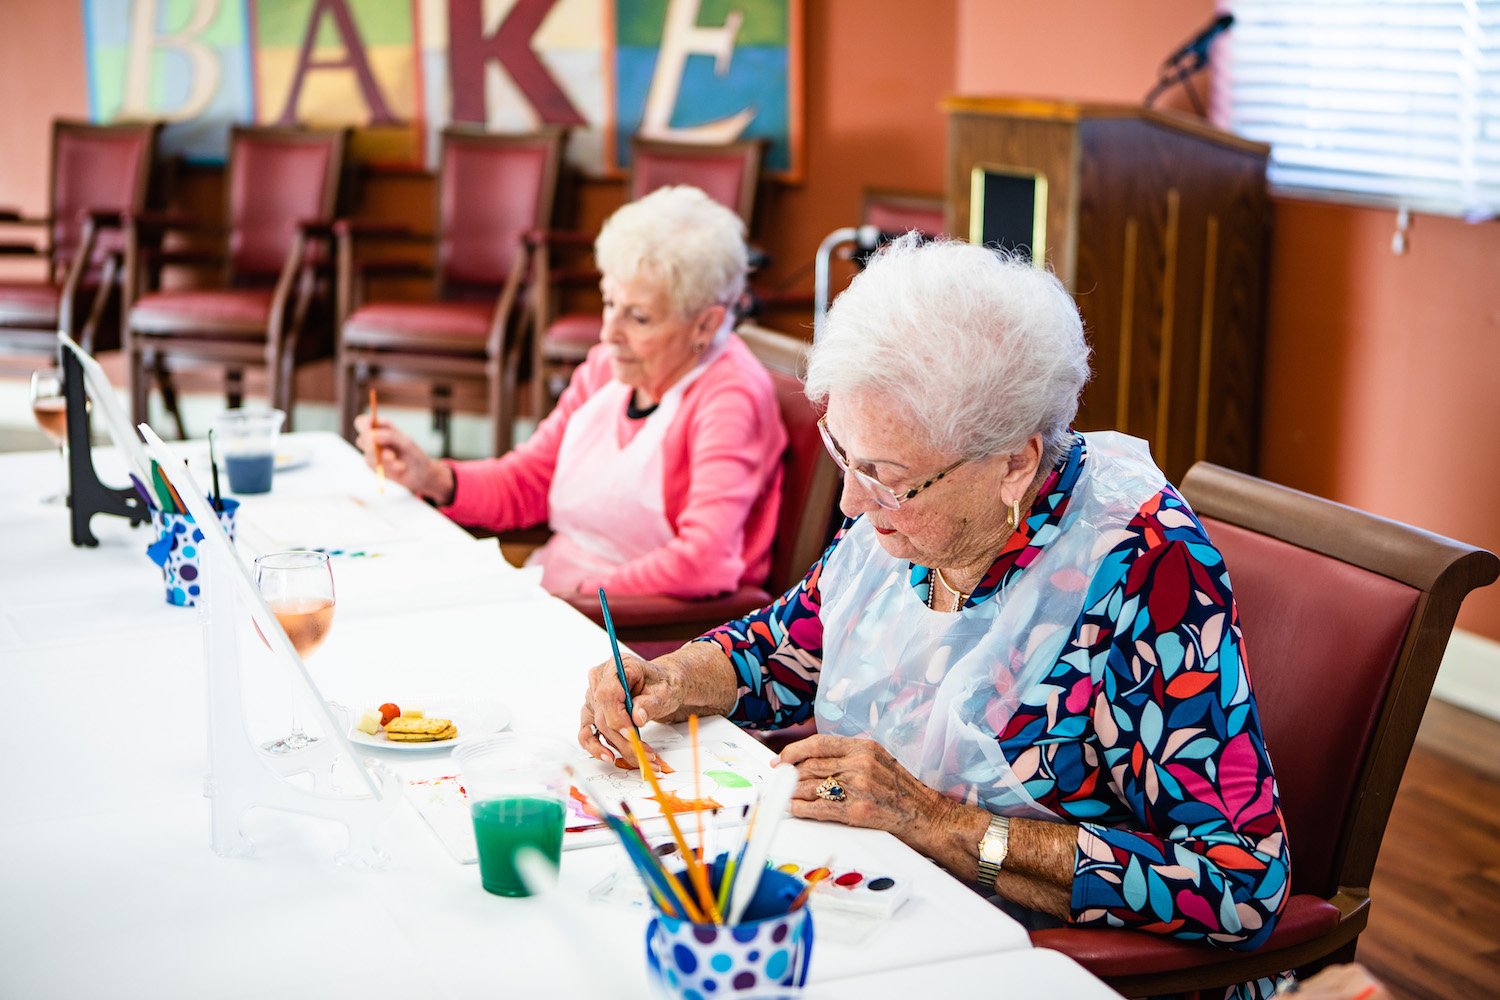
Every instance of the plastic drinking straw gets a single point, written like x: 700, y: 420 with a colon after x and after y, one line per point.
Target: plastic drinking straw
x: 375, y: 422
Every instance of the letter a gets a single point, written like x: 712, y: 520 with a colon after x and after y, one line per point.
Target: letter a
x: 354, y: 59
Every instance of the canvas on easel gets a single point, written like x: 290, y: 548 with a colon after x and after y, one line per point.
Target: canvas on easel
x: 242, y: 776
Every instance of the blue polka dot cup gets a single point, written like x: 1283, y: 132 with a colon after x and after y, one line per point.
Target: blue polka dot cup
x: 178, y: 551
x: 767, y: 954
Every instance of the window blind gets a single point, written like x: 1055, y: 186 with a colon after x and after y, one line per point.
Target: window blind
x: 1391, y: 102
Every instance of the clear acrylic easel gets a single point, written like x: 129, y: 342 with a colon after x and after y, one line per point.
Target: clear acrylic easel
x: 241, y: 776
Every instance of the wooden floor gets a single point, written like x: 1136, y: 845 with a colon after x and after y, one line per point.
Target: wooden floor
x: 1435, y: 913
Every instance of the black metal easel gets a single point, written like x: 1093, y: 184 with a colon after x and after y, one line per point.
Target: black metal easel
x: 87, y: 496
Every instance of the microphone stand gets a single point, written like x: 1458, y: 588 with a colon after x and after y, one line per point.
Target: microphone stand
x: 1180, y: 72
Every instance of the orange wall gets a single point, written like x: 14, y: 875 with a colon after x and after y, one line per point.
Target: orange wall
x: 1382, y: 379
x: 872, y: 115
x: 41, y: 77
x: 1381, y: 370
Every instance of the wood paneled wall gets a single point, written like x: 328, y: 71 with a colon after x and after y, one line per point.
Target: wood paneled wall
x: 1159, y: 227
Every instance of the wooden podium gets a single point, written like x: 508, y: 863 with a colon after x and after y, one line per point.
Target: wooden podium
x: 1159, y: 225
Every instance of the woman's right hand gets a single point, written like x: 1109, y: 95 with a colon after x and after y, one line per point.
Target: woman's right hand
x: 604, y: 727
x: 403, y: 461
x: 694, y: 680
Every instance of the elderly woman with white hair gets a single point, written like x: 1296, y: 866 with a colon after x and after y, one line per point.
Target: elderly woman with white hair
x: 659, y: 470
x: 1021, y: 650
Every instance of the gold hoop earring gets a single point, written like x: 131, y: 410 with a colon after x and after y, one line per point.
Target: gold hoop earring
x: 1013, y: 516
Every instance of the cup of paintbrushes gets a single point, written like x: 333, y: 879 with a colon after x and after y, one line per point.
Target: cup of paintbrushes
x: 178, y: 550
x: 767, y: 954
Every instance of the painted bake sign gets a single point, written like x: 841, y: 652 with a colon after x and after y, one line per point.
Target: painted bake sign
x: 400, y: 70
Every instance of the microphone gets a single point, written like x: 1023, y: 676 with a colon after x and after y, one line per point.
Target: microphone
x: 1197, y: 46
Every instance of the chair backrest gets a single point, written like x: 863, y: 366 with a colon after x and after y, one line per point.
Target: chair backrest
x: 491, y: 189
x: 278, y: 178
x: 900, y: 211
x: 810, y: 481
x: 103, y: 168
x: 1345, y: 617
x: 729, y: 172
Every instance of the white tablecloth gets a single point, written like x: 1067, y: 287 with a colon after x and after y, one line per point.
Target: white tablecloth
x: 108, y: 882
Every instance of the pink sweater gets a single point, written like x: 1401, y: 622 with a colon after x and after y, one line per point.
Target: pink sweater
x: 721, y: 479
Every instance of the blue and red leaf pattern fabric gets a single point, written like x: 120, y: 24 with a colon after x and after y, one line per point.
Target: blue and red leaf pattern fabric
x: 1147, y: 728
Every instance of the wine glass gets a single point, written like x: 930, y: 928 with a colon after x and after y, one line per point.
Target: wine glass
x: 50, y: 408
x: 298, y: 588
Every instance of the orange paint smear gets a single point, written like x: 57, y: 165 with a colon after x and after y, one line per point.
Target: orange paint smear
x: 588, y: 808
x: 671, y: 801
x: 662, y: 767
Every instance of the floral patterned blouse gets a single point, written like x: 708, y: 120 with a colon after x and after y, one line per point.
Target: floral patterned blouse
x: 1145, y: 733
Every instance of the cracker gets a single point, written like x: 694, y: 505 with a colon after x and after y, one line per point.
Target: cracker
x: 422, y: 727
x: 444, y: 734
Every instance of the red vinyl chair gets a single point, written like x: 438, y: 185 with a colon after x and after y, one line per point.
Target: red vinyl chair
x: 491, y: 189
x: 565, y: 294
x: 1345, y: 617
x: 99, y: 174
x: 272, y: 307
x: 810, y: 485
x: 902, y: 211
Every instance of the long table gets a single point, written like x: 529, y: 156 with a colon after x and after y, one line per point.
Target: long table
x: 109, y: 884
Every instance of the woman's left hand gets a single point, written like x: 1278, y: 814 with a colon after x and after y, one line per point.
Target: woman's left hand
x: 878, y: 792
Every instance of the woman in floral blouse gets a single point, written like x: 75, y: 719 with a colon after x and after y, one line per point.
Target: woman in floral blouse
x: 1022, y: 650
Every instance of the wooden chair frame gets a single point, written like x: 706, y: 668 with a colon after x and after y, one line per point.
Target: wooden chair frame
x: 73, y: 267
x: 452, y: 359
x: 296, y: 287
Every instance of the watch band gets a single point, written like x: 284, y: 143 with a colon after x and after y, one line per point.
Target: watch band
x: 993, y: 847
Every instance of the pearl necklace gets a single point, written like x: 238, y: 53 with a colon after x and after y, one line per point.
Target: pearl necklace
x: 937, y: 575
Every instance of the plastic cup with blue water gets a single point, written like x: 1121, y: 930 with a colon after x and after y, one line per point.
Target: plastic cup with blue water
x: 246, y: 443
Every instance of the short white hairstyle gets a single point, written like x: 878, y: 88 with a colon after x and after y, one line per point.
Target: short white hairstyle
x: 682, y: 238
x: 976, y: 348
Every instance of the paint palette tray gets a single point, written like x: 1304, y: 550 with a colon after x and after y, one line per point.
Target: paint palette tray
x: 858, y: 893
x: 860, y: 899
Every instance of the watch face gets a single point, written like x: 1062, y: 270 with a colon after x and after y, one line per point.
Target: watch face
x: 995, y: 843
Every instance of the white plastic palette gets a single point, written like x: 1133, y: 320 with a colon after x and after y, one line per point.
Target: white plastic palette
x: 849, y: 904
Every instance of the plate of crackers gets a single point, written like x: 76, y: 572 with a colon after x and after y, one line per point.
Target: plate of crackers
x: 426, y: 725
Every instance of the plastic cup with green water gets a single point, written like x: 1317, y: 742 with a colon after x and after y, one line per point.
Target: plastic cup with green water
x: 517, y: 789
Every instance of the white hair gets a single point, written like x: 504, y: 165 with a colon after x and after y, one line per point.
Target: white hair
x: 978, y: 349
x: 682, y: 238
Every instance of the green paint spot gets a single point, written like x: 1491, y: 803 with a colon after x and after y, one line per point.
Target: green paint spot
x: 728, y: 779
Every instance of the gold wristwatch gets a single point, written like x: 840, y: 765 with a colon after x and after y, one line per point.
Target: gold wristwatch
x: 992, y: 850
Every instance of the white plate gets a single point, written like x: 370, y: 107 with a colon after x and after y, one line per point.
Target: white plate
x: 292, y: 456
x: 472, y: 718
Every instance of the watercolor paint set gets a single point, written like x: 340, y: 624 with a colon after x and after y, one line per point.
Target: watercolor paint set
x: 850, y: 890
x: 853, y: 892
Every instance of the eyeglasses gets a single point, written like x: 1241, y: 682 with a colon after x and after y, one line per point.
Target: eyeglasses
x: 882, y: 494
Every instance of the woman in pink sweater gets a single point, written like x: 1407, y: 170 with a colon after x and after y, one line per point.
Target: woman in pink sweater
x: 659, y: 471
